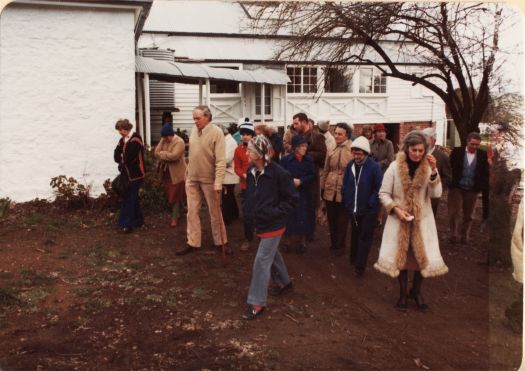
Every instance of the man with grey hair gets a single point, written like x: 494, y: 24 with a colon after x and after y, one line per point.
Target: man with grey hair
x: 204, y: 178
x: 443, y: 164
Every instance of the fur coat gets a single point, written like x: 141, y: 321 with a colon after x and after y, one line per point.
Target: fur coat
x: 412, y: 195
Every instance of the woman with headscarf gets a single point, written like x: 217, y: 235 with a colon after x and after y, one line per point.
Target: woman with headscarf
x: 172, y: 169
x: 270, y: 199
x: 410, y: 240
x: 302, y: 169
x: 129, y: 156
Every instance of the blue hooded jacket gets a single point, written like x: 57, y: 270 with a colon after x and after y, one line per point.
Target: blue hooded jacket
x: 368, y: 183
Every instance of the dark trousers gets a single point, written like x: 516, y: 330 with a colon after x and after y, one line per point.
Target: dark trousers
x: 130, y: 212
x: 338, y: 217
x: 362, y: 236
x: 230, y: 210
x: 248, y: 228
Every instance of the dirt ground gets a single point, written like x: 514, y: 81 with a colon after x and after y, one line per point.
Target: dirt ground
x: 76, y: 294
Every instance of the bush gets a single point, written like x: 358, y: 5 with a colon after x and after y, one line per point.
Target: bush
x: 153, y: 197
x: 70, y: 193
x: 4, y: 206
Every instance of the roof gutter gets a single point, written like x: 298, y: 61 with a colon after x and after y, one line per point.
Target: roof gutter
x: 140, y: 8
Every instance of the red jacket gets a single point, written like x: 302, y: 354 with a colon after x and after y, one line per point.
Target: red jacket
x: 241, y: 163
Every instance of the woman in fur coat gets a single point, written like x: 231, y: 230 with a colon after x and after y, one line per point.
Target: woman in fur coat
x: 410, y: 240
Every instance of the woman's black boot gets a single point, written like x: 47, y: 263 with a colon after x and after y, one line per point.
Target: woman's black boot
x: 403, y: 287
x: 415, y: 292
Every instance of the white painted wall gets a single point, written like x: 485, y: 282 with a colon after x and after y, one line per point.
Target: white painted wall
x: 66, y: 76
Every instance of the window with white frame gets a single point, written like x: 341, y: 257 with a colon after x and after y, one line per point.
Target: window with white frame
x: 338, y: 80
x: 267, y: 100
x: 303, y: 79
x: 371, y: 81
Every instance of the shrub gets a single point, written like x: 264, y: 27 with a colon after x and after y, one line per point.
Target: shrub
x: 70, y: 193
x: 153, y: 197
x: 4, y: 206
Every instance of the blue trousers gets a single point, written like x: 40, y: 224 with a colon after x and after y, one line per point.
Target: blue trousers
x: 130, y: 212
x: 268, y: 263
x: 362, y: 236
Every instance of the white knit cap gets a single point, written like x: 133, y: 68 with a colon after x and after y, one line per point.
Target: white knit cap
x: 361, y: 143
x: 429, y: 132
x: 323, y: 125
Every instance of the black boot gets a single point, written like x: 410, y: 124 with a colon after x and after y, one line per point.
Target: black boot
x: 403, y: 288
x: 415, y: 291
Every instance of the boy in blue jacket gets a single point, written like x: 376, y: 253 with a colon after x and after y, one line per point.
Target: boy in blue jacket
x: 270, y: 199
x: 361, y: 184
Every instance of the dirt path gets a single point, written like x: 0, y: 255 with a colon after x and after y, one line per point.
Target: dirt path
x: 75, y: 294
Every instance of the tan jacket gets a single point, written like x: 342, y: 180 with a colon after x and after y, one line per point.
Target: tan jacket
x: 171, y: 154
x: 207, y: 155
x: 334, y: 171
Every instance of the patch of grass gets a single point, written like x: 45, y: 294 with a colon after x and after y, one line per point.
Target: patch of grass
x: 83, y: 291
x: 97, y: 305
x: 35, y: 295
x: 46, y: 221
x: 154, y: 298
x: 97, y: 253
x: 81, y: 321
x: 32, y: 278
x: 8, y: 297
x: 200, y: 293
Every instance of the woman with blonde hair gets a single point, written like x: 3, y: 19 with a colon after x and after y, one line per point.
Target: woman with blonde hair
x: 410, y: 240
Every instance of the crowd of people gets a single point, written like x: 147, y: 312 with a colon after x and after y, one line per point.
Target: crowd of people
x: 284, y: 181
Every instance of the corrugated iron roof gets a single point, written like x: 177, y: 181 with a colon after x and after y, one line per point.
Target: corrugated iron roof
x: 195, y: 16
x: 194, y: 71
x: 247, y: 49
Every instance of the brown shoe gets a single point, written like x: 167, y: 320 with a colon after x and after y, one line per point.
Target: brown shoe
x: 173, y: 222
x: 184, y: 250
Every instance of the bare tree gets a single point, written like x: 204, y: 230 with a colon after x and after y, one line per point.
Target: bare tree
x: 458, y: 42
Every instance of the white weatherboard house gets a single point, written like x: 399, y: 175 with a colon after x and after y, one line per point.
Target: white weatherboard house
x: 215, y: 33
x: 67, y: 74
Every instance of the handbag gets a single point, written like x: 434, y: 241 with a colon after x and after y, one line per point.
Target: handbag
x: 120, y: 184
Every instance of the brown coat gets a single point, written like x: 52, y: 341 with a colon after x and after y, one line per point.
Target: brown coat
x: 171, y: 154
x: 334, y: 171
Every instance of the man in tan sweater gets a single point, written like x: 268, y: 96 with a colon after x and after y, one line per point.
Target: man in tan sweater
x: 204, y: 177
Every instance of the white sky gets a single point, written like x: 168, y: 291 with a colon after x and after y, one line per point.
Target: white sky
x: 512, y: 47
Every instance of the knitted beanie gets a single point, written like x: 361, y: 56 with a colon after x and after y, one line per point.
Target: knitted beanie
x: 297, y: 140
x: 167, y: 131
x: 361, y: 143
x: 247, y: 128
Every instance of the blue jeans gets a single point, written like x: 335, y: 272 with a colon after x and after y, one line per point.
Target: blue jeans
x: 130, y: 212
x: 268, y: 263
